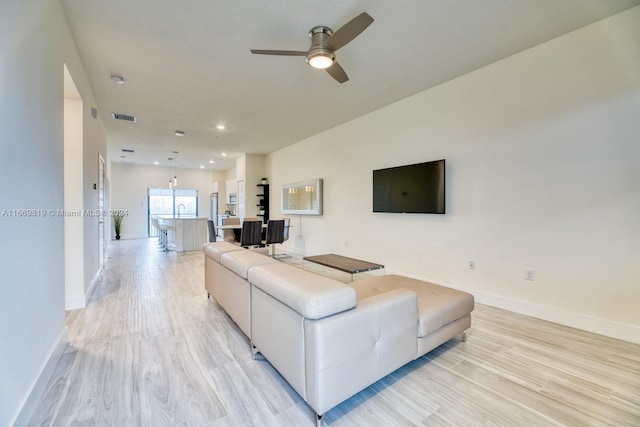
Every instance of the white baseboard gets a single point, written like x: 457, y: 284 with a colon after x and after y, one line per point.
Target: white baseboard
x: 40, y: 384
x: 72, y: 303
x: 129, y: 237
x: 608, y: 328
x: 584, y: 322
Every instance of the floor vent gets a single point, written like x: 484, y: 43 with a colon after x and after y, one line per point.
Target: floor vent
x: 118, y: 116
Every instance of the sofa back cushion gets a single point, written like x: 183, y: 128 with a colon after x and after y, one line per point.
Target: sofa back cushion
x: 311, y: 295
x: 241, y: 261
x: 215, y: 250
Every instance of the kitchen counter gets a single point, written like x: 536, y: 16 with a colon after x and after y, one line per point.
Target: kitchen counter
x: 189, y: 232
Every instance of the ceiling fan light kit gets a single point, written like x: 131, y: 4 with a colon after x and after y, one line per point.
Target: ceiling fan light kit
x: 320, y: 55
x: 324, y: 43
x: 321, y: 59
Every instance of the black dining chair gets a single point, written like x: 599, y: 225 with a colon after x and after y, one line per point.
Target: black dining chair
x: 287, y: 222
x: 275, y: 234
x: 212, y: 230
x: 251, y: 235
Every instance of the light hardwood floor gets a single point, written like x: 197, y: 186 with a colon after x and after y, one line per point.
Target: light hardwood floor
x: 150, y: 350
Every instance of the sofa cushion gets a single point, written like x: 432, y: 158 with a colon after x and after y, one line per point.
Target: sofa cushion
x: 311, y: 295
x: 241, y: 261
x: 437, y: 305
x: 215, y: 250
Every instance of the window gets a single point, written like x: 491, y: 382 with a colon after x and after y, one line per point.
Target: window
x: 171, y: 203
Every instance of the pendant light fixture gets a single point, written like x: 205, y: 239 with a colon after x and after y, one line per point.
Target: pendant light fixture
x: 175, y: 175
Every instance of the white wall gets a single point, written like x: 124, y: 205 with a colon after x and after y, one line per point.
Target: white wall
x: 31, y: 116
x: 73, y: 225
x: 250, y: 169
x: 35, y: 43
x: 542, y: 154
x: 129, y: 185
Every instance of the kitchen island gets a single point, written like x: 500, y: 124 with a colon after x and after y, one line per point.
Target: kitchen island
x: 187, y: 233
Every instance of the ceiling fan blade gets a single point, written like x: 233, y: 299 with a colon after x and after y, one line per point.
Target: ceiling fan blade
x: 349, y: 31
x: 279, y: 52
x: 337, y: 72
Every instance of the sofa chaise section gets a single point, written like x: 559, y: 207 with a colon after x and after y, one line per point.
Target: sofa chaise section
x: 443, y: 312
x: 325, y: 345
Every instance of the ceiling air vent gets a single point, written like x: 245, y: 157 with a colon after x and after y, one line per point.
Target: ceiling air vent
x: 127, y: 150
x: 118, y: 116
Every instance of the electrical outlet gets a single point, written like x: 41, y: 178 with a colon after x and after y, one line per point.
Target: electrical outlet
x: 529, y: 274
x: 471, y: 264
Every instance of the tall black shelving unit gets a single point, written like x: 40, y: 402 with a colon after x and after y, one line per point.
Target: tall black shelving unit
x: 263, y: 202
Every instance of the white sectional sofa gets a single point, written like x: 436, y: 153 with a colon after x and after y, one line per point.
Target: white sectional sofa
x: 328, y: 339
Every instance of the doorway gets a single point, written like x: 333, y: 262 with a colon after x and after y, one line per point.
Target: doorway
x: 102, y: 243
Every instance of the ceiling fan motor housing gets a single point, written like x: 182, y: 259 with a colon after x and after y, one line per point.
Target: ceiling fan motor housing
x: 319, y: 46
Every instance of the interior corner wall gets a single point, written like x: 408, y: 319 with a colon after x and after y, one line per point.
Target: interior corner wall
x: 36, y: 42
x: 542, y: 173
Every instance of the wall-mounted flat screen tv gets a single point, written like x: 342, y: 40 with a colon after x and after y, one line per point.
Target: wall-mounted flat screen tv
x: 415, y: 188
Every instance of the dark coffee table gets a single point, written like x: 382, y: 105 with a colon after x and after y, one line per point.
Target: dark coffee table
x: 343, y: 263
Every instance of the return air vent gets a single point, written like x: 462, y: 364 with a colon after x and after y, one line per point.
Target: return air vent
x: 118, y: 116
x: 127, y: 150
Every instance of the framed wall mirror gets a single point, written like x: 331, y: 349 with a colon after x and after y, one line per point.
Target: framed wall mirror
x: 303, y: 197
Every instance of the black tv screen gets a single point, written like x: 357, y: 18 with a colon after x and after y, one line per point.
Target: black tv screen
x: 415, y: 188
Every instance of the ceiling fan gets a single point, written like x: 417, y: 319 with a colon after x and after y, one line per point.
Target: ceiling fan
x: 324, y: 43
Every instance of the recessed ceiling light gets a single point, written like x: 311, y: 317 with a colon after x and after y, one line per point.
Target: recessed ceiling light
x: 156, y: 163
x: 221, y: 127
x: 211, y: 161
x: 117, y: 79
x: 224, y: 154
x: 201, y: 167
x: 179, y: 133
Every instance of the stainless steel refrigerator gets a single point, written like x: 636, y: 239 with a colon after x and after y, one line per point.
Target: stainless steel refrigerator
x: 213, y: 214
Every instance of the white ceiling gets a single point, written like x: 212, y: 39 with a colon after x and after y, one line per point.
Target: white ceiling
x: 188, y: 67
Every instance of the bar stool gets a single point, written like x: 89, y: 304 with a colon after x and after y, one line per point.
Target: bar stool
x: 156, y: 224
x: 163, y: 233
